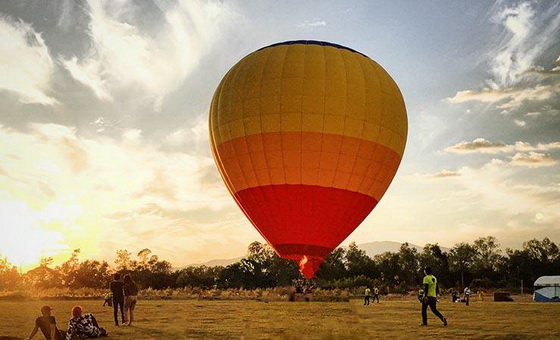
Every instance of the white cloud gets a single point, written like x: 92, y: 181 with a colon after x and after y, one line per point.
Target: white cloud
x: 122, y: 56
x: 479, y: 145
x: 312, y: 24
x: 526, y: 35
x: 507, y: 98
x: 193, y: 137
x: 512, y: 58
x: 25, y: 63
x: 515, y: 79
x: 520, y: 123
x: 533, y: 160
x: 445, y: 174
x: 132, y: 135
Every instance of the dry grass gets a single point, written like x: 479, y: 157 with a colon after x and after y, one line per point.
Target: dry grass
x: 398, y: 318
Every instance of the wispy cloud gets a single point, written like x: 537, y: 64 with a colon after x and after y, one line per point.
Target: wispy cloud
x: 533, y: 160
x: 515, y: 78
x: 479, y: 145
x: 445, y: 174
x: 312, y: 24
x: 507, y: 98
x: 482, y: 145
x: 520, y: 123
x: 26, y: 65
x: 122, y: 56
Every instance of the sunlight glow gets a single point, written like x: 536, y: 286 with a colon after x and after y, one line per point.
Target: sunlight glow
x: 25, y: 236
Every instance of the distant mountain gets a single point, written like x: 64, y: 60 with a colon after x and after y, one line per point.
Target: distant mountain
x: 371, y: 249
x: 213, y: 263
x: 380, y: 247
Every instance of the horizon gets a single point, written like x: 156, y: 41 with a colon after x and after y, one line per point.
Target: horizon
x: 104, y: 141
x: 110, y: 261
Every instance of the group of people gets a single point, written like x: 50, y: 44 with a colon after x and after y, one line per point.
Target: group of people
x: 456, y: 297
x: 79, y: 326
x: 124, y: 295
x: 367, y: 295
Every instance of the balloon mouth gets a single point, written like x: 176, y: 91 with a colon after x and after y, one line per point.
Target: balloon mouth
x: 308, y: 265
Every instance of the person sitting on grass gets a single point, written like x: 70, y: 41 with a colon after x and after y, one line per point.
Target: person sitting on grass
x: 47, y: 324
x: 83, y: 326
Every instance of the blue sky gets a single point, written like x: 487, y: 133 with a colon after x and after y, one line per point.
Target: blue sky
x: 104, y: 107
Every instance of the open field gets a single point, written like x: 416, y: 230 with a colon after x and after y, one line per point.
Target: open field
x: 185, y: 319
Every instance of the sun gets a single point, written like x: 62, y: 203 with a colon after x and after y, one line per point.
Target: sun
x: 24, y: 236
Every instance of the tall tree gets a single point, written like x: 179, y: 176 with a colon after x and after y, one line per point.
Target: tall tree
x: 461, y: 259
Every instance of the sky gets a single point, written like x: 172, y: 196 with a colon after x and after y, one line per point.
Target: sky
x: 104, y: 120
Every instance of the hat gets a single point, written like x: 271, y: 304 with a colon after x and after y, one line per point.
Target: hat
x: 46, y: 308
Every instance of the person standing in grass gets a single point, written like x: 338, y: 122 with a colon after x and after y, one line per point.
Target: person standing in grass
x: 117, y: 289
x: 467, y: 293
x: 375, y: 294
x: 430, y: 297
x: 130, y: 298
x: 47, y: 324
x: 367, y: 296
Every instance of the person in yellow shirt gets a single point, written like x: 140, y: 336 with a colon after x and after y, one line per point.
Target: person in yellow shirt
x: 367, y: 296
x: 430, y: 297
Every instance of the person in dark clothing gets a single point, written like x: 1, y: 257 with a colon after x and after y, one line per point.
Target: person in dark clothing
x: 117, y: 289
x: 130, y: 298
x: 47, y: 324
x: 430, y: 297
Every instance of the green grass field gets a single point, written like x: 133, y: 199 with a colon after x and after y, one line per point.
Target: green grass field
x: 187, y: 319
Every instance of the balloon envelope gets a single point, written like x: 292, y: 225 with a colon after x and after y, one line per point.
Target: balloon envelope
x: 307, y: 136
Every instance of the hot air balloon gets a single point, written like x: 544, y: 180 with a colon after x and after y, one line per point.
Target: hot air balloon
x: 307, y: 136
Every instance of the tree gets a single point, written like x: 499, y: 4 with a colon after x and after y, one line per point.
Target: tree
x: 409, y: 265
x: 389, y: 267
x: 124, y: 261
x: 358, y: 263
x: 10, y: 278
x: 433, y: 256
x: 461, y: 259
x: 67, y: 270
x: 487, y: 259
x: 333, y: 268
x: 92, y: 274
x: 199, y: 276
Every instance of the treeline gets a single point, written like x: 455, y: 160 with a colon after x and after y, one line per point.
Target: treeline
x: 481, y: 264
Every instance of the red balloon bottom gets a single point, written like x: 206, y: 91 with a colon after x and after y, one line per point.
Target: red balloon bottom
x: 304, y: 222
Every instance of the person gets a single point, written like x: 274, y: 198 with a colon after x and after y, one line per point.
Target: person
x: 467, y: 293
x: 108, y: 300
x: 117, y: 289
x: 83, y: 326
x: 376, y: 294
x: 455, y: 296
x: 430, y: 297
x: 367, y: 296
x: 47, y: 324
x: 299, y: 287
x: 130, y: 299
